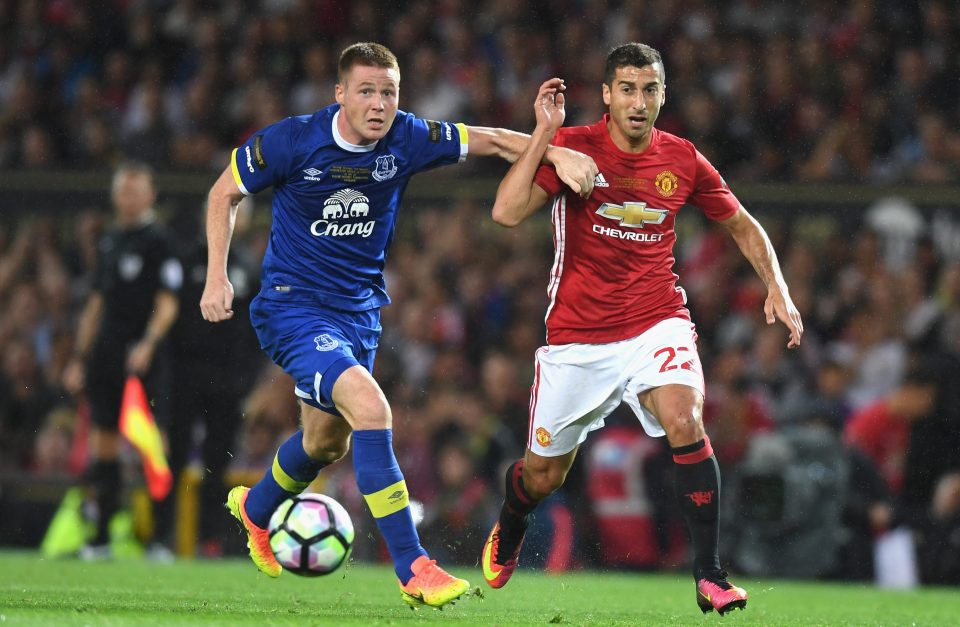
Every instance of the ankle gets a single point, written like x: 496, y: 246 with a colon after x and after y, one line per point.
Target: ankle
x: 710, y: 572
x: 512, y: 519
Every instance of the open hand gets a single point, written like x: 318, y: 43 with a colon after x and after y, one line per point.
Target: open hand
x: 549, y: 106
x: 780, y: 306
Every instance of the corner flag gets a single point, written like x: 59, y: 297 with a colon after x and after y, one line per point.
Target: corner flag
x: 138, y: 426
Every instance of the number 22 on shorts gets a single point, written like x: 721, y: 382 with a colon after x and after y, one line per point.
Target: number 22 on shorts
x: 671, y: 354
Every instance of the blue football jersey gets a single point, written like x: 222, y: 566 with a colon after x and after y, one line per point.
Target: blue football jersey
x: 334, y: 203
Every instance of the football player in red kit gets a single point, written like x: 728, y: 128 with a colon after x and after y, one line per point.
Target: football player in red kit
x: 618, y: 329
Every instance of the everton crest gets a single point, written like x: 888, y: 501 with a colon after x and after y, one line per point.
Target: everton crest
x: 325, y: 342
x: 385, y: 169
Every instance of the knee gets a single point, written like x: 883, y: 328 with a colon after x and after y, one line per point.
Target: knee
x: 684, y: 427
x: 368, y: 411
x: 361, y: 401
x: 679, y: 409
x: 325, y: 445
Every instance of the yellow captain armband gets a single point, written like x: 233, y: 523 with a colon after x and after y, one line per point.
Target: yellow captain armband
x: 464, y: 139
x: 236, y: 173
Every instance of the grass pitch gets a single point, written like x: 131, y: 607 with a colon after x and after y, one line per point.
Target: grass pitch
x: 34, y: 591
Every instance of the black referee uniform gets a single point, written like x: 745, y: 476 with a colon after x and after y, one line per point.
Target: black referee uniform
x: 133, y: 265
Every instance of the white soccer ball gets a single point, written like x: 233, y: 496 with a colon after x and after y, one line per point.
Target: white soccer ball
x: 311, y: 534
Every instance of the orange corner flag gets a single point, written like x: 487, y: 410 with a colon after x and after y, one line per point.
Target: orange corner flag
x: 138, y: 426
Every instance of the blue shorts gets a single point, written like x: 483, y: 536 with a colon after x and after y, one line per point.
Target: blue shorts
x: 314, y: 345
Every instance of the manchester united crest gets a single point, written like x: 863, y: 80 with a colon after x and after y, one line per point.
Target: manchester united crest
x: 666, y: 183
x: 543, y: 437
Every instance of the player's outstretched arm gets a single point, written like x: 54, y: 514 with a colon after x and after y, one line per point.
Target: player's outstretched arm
x: 756, y: 247
x: 216, y: 304
x: 518, y: 196
x: 574, y: 168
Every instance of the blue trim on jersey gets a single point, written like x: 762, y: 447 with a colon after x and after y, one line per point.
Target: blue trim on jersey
x: 334, y: 210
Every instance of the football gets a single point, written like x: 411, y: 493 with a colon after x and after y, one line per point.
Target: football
x: 311, y: 534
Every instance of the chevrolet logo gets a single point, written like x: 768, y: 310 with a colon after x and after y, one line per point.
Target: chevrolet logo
x: 633, y: 214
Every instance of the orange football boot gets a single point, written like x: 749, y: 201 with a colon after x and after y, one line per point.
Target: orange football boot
x: 431, y: 585
x: 498, y: 560
x: 258, y: 540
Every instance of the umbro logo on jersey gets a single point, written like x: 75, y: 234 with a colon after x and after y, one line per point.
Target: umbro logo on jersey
x: 599, y: 181
x: 312, y: 174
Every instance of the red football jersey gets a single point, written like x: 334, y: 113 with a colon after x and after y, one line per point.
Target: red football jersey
x: 612, y: 276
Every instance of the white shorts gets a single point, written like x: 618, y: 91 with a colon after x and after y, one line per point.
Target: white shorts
x: 576, y: 386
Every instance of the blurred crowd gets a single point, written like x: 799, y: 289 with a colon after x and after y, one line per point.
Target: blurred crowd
x: 859, y: 90
x: 823, y: 449
x: 851, y: 436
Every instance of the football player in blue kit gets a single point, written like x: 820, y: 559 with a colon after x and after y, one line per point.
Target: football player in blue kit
x: 338, y: 176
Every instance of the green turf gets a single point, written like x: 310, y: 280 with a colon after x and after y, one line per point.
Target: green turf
x: 230, y: 592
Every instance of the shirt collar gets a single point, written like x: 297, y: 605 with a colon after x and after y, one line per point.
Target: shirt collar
x: 337, y: 137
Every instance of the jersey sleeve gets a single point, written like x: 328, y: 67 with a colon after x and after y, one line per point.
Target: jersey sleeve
x: 265, y: 159
x: 711, y: 193
x: 433, y: 144
x: 546, y: 177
